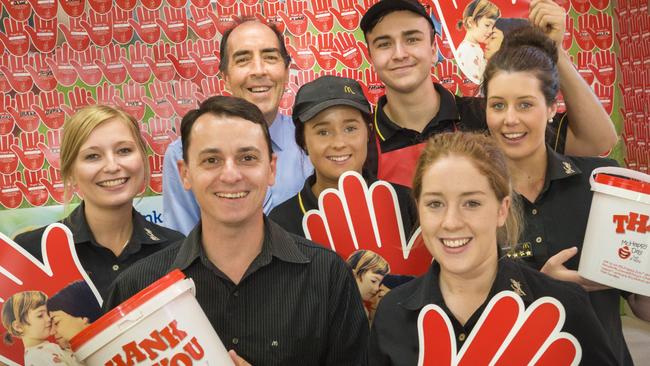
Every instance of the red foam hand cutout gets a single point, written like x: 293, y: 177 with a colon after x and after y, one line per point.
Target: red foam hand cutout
x: 372, y: 87
x: 136, y: 66
x: 41, y: 72
x: 28, y: 152
x: 158, y: 102
x: 295, y: 18
x: 45, y: 9
x: 348, y: 50
x: 7, y: 120
x: 203, y: 22
x: 160, y: 65
x: 347, y: 14
x: 131, y: 101
x: 320, y: 16
x: 323, y: 53
x: 49, y: 111
x: 85, y: 65
x: 43, y: 34
x: 15, y: 37
x: 16, y: 74
x: 206, y: 56
x: 75, y: 34
x: 8, y: 158
x: 358, y: 217
x: 174, y: 25
x: 147, y: 25
x: 10, y: 195
x: 122, y: 29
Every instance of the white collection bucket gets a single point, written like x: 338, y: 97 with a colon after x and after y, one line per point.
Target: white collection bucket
x: 616, y: 248
x: 160, y: 325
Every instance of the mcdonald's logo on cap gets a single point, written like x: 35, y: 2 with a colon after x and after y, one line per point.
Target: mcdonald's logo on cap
x: 348, y: 90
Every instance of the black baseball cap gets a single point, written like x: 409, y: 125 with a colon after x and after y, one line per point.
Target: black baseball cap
x: 328, y: 91
x: 383, y: 7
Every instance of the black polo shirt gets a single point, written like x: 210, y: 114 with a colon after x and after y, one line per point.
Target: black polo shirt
x: 297, y: 303
x: 289, y: 214
x: 100, y: 263
x: 455, y: 114
x: 394, y: 334
x: 557, y: 220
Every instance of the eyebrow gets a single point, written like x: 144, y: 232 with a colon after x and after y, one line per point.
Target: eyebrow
x: 405, y: 33
x: 215, y: 150
x: 249, y: 52
x: 522, y: 97
x: 97, y: 147
x: 470, y: 193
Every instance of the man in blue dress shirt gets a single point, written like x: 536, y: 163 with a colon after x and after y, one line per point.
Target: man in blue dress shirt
x: 255, y: 66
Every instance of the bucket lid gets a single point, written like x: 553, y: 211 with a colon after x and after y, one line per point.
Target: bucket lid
x: 624, y: 183
x: 124, y: 308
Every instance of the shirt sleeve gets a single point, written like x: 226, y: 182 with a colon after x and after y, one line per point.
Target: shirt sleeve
x: 180, y: 209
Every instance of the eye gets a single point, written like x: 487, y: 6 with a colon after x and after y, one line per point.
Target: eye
x: 525, y: 105
x: 434, y: 204
x: 322, y: 132
x: 351, y: 129
x: 125, y: 151
x: 241, y: 60
x: 273, y: 57
x: 211, y: 160
x: 498, y: 106
x: 472, y: 204
x: 249, y: 158
x: 91, y: 157
x: 383, y: 44
x: 412, y: 40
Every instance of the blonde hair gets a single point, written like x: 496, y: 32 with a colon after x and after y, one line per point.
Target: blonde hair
x: 486, y: 156
x: 362, y: 261
x: 16, y: 308
x: 478, y: 9
x: 78, y: 128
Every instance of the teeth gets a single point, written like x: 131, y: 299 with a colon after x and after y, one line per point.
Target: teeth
x: 260, y: 89
x: 513, y: 135
x: 339, y: 158
x: 455, y: 243
x: 232, y: 195
x: 112, y: 182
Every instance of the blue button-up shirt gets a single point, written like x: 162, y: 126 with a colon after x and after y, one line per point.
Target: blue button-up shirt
x: 180, y: 209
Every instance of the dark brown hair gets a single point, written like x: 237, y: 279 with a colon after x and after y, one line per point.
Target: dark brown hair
x: 223, y: 47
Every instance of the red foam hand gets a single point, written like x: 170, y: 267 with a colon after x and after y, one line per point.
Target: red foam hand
x: 101, y: 6
x: 203, y: 22
x: 323, y: 53
x: 160, y: 65
x: 185, y: 66
x: 505, y: 334
x: 43, y: 34
x: 159, y: 138
x: 448, y: 75
x: 26, y: 119
x: 18, y: 10
x: 300, y: 52
x: 74, y: 9
x: 15, y: 37
x: 605, y: 94
x: 136, y: 66
x: 87, y: 69
x: 33, y: 190
x: 600, y: 30
x: 175, y: 24
x: 348, y: 52
x: 178, y: 4
x: 289, y: 96
x: 147, y: 25
x: 156, y: 165
x: 605, y: 67
x: 75, y: 34
x: 7, y: 120
x: 105, y: 94
x: 78, y: 98
x: 599, y: 4
x: 225, y: 17
x: 320, y: 17
x: 581, y: 6
x: 45, y: 9
x: 566, y: 4
x: 41, y: 72
x: 99, y: 28
x: 122, y: 30
x: 8, y: 159
x: 363, y: 8
x: 112, y: 67
x: 10, y: 195
x: 183, y: 99
x: 49, y: 111
x: 204, y: 3
x: 19, y: 79
x: 52, y: 149
x: 444, y: 47
x: 567, y: 40
x: 206, y: 56
x: 295, y: 18
x: 356, y: 217
x: 5, y: 87
x: 23, y: 272
x: 250, y: 11
x: 55, y: 185
x: 151, y: 4
x: 467, y: 87
x: 28, y: 152
x: 353, y: 74
x: 347, y: 14
x: 584, y: 65
x: 271, y: 16
x: 582, y: 35
x: 158, y: 102
x: 209, y: 87
x: 372, y: 87
x: 131, y: 102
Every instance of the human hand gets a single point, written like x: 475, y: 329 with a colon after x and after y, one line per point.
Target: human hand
x: 554, y: 267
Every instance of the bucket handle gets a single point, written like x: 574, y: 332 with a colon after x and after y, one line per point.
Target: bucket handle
x: 628, y: 173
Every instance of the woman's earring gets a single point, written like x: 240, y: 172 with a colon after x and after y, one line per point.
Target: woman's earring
x: 550, y: 120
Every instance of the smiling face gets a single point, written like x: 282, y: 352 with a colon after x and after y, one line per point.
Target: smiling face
x: 517, y: 114
x: 37, y: 328
x: 336, y: 140
x: 109, y: 169
x: 459, y: 215
x: 256, y: 70
x: 229, y: 169
x: 402, y: 51
x: 369, y: 284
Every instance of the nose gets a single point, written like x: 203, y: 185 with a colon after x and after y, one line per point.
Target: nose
x: 452, y: 220
x: 230, y: 172
x: 112, y: 164
x: 511, y: 116
x: 338, y: 140
x: 258, y: 67
x: 399, y: 51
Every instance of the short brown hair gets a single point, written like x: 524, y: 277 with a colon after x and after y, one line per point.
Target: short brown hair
x: 16, y: 308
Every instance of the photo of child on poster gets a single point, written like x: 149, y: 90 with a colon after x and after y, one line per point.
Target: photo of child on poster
x: 474, y: 29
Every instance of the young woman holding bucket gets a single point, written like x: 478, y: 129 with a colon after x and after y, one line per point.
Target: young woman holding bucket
x: 520, y: 85
x: 104, y: 158
x: 466, y: 212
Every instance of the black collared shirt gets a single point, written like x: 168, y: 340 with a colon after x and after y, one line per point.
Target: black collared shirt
x: 394, y: 334
x: 557, y: 220
x: 289, y: 214
x: 455, y: 114
x: 297, y: 303
x: 100, y: 263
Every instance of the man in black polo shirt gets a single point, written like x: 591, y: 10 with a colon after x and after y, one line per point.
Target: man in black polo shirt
x: 400, y: 38
x: 273, y: 298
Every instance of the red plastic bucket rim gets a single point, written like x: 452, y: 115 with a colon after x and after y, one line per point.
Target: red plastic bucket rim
x: 624, y: 183
x: 125, y: 308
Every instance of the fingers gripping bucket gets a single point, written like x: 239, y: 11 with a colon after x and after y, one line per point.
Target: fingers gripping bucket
x: 160, y: 325
x: 616, y: 248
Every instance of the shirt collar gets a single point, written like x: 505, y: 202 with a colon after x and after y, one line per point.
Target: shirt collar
x: 276, y: 243
x: 447, y: 111
x: 280, y: 131
x: 558, y: 167
x: 509, y: 277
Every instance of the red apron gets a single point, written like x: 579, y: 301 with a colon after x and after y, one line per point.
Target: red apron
x: 398, y: 166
